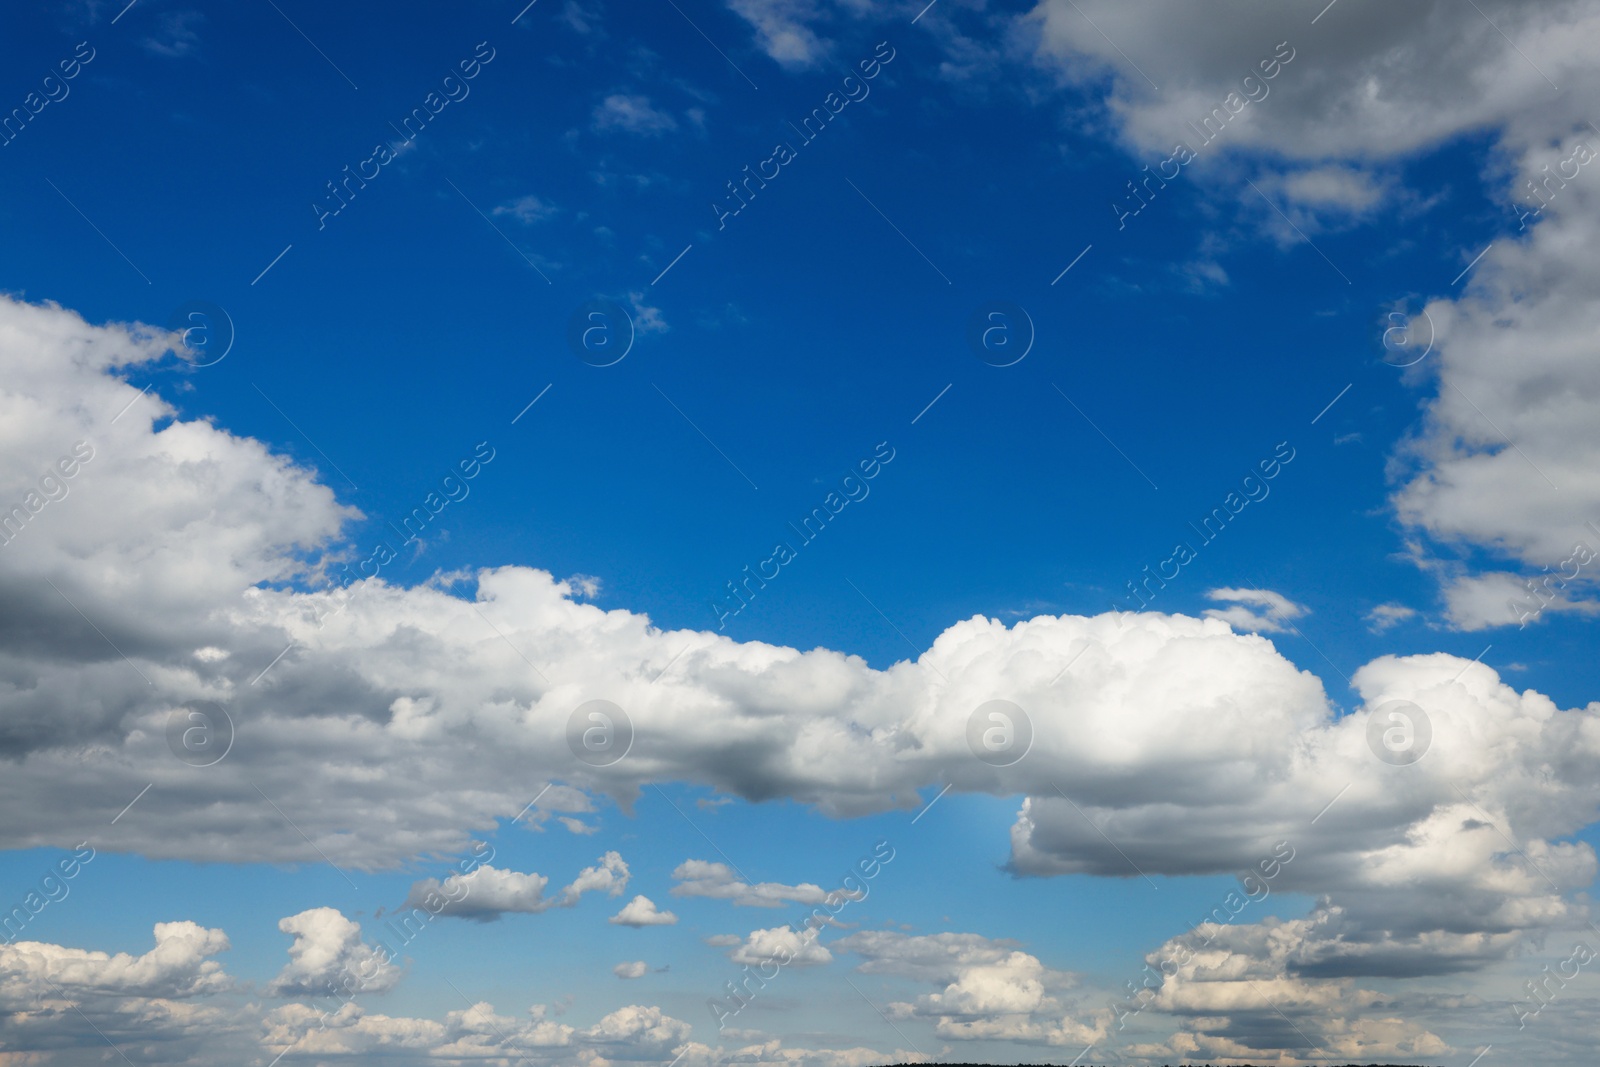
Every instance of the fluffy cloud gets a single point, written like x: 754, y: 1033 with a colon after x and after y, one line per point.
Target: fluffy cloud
x: 485, y: 893
x: 1385, y: 617
x: 1507, y: 457
x: 1275, y: 613
x: 698, y: 878
x: 178, y: 966
x: 329, y: 957
x: 781, y: 30
x: 631, y: 969
x: 1244, y: 993
x: 794, y: 948
x: 988, y: 989
x: 641, y: 911
x: 403, y: 720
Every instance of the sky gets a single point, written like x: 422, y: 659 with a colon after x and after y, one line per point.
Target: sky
x: 816, y: 534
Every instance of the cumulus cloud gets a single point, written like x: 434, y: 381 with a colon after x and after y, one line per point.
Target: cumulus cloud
x: 486, y: 893
x: 794, y: 948
x: 1236, y: 987
x: 699, y: 878
x: 178, y: 966
x: 641, y: 911
x: 1255, y: 609
x: 1385, y: 617
x: 986, y: 989
x: 328, y: 957
x: 401, y: 722
x: 1507, y: 457
x: 632, y: 969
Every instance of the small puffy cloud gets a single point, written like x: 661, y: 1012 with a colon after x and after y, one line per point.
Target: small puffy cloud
x: 1387, y: 616
x: 647, y: 318
x: 1274, y: 614
x: 1341, y: 188
x: 641, y: 911
x: 637, y: 1032
x: 698, y: 878
x: 781, y: 30
x: 328, y: 955
x: 486, y: 892
x: 632, y: 113
x: 586, y: 586
x: 631, y: 969
x: 986, y: 989
x: 526, y: 209
x: 784, y: 944
x: 609, y: 876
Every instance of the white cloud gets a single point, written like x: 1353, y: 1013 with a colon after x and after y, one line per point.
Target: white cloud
x: 698, y: 878
x: 632, y: 969
x: 1193, y: 747
x: 486, y: 893
x: 178, y: 966
x: 1386, y: 617
x: 641, y: 911
x: 1507, y: 457
x: 526, y: 209
x: 790, y: 947
x: 781, y: 30
x: 329, y: 958
x: 1499, y: 598
x: 632, y: 113
x: 1275, y: 615
x: 987, y: 989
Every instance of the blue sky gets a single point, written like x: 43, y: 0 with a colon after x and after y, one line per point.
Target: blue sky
x: 1329, y: 324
